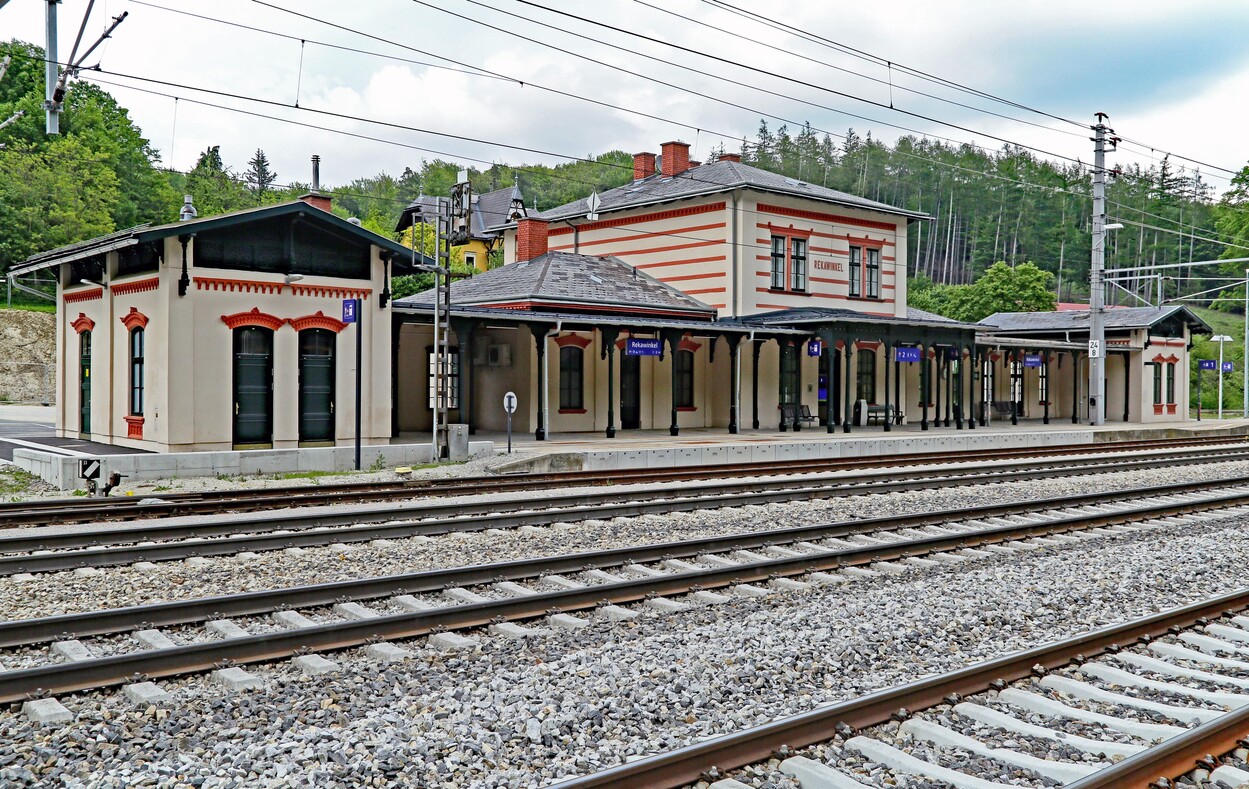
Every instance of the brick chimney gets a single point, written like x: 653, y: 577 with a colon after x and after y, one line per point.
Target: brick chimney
x: 730, y: 157
x: 315, y: 198
x: 530, y: 238
x: 676, y: 158
x: 643, y: 165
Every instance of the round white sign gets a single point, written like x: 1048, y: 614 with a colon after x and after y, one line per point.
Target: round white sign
x: 509, y: 402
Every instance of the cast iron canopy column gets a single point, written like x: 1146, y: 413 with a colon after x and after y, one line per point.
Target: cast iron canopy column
x: 938, y: 354
x: 949, y: 383
x: 1075, y: 388
x: 735, y: 383
x: 924, y: 381
x: 1015, y: 356
x: 897, y: 379
x: 830, y: 351
x: 539, y: 331
x: 972, y: 368
x: 607, y: 336
x: 671, y: 339
x: 957, y: 364
x: 849, y: 364
x: 888, y: 420
x: 754, y: 382
x: 1045, y: 371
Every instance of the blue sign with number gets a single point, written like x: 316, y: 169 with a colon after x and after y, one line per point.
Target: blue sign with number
x: 814, y: 347
x: 1228, y: 367
x: 906, y: 354
x: 1207, y: 364
x: 349, y: 310
x: 636, y: 347
x: 1032, y: 360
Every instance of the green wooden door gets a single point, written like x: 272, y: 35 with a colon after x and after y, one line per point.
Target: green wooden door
x: 630, y: 392
x: 316, y: 385
x: 253, y: 385
x: 84, y: 382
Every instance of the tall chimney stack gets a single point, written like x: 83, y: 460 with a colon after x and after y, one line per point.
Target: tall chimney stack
x: 531, y: 235
x: 315, y: 198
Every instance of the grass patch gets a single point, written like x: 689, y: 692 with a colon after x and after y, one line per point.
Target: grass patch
x: 15, y: 482
x: 33, y: 307
x: 308, y: 474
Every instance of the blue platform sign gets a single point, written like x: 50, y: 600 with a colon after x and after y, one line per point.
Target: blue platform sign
x: 636, y: 347
x: 1228, y: 367
x: 906, y: 354
x: 349, y: 310
x: 814, y: 347
x: 1032, y: 360
x: 1207, y: 364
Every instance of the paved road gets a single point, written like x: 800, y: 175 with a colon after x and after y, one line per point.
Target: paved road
x: 31, y: 427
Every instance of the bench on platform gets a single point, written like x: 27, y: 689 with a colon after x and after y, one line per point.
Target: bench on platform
x: 792, y: 414
x: 1002, y: 408
x: 878, y: 412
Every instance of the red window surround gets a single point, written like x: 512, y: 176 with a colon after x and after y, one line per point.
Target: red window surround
x: 134, y: 427
x: 82, y: 323
x: 134, y: 319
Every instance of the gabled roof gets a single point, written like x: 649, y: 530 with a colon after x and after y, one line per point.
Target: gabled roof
x: 720, y: 176
x: 564, y: 281
x: 1079, y: 320
x: 809, y: 315
x: 144, y: 233
x: 493, y: 209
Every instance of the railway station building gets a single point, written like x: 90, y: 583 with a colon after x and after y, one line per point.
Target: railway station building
x: 711, y: 296
x: 224, y: 333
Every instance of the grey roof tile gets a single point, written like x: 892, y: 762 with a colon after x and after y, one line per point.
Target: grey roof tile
x: 1079, y: 320
x: 718, y: 176
x: 803, y: 315
x: 568, y: 279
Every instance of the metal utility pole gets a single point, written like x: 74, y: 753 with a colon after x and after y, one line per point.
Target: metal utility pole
x: 1244, y: 356
x: 1097, y: 324
x: 50, y: 75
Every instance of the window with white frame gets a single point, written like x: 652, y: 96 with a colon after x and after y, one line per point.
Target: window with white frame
x: 789, y: 263
x: 864, y: 272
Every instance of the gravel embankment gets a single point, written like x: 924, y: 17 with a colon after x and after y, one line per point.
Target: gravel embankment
x: 57, y: 593
x: 523, y: 713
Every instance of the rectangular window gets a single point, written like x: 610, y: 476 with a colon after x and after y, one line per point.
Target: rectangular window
x: 450, y: 372
x: 778, y: 262
x: 856, y: 270
x: 136, y: 372
x: 571, y: 378
x: 1157, y: 383
x: 873, y: 274
x: 1171, y: 382
x: 470, y: 260
x: 866, y: 376
x: 798, y: 263
x: 683, y: 373
x: 790, y: 375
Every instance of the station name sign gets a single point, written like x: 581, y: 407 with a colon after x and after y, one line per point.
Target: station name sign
x: 636, y: 347
x: 1032, y: 360
x: 821, y: 264
x: 906, y: 354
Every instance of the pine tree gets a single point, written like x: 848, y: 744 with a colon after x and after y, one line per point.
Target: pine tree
x: 259, y: 176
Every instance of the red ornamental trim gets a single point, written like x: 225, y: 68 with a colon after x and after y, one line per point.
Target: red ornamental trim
x: 318, y: 321
x: 822, y: 217
x: 1173, y: 359
x: 333, y: 291
x: 133, y: 319
x: 640, y: 218
x: 1170, y: 408
x: 254, y: 318
x: 134, y: 427
x: 237, y: 285
x: 869, y: 344
x: 137, y: 286
x: 82, y: 323
x: 1157, y: 409
x: 572, y: 339
x: 83, y: 295
x: 1159, y: 359
x: 686, y: 344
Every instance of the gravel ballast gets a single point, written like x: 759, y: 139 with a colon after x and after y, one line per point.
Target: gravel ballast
x: 57, y: 593
x: 524, y: 712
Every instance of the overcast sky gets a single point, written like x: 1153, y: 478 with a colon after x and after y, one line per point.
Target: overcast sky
x: 1172, y: 76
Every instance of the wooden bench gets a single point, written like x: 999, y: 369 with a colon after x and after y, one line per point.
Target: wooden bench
x: 878, y: 412
x: 791, y: 414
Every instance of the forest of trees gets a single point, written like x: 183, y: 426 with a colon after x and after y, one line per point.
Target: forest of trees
x: 1007, y: 205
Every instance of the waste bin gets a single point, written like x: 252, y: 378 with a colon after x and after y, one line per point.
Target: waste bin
x: 860, y: 413
x: 457, y: 442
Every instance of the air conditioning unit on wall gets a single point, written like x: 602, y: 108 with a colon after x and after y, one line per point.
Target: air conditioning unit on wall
x: 500, y: 356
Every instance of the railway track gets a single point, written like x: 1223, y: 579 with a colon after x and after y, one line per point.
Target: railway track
x: 152, y: 542
x: 167, y: 504
x: 1196, y: 658
x: 428, y: 604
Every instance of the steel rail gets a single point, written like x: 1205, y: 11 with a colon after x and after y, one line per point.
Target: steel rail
x: 758, y: 743
x: 28, y: 631
x: 19, y: 684
x: 173, y: 504
x: 285, y: 530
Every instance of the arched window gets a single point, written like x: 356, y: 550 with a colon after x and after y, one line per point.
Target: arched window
x: 683, y: 379
x: 136, y: 371
x: 866, y: 375
x: 571, y: 378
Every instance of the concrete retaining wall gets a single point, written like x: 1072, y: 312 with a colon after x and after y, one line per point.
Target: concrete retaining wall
x: 62, y: 471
